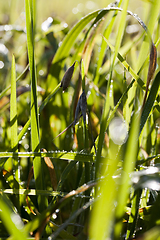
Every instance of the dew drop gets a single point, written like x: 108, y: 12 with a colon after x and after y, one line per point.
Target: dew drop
x: 57, y: 210
x: 54, y: 215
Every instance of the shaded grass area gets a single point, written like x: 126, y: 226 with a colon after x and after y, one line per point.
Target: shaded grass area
x: 96, y: 85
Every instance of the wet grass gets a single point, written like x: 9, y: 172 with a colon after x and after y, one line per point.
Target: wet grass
x: 79, y: 109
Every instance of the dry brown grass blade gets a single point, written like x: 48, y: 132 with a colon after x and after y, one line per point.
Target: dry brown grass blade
x: 151, y: 70
x: 51, y: 171
x: 28, y: 181
x: 79, y: 190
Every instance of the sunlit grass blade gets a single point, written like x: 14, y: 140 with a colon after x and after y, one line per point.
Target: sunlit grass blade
x: 104, y: 207
x: 106, y: 34
x: 128, y: 167
x: 106, y: 108
x: 65, y: 47
x: 35, y: 141
x: 13, y: 118
x: 127, y: 66
x: 154, y: 12
x: 61, y: 155
x: 12, y: 221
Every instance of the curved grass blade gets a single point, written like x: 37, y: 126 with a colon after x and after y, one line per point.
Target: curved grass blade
x: 150, y: 101
x: 154, y: 12
x: 65, y: 47
x: 151, y: 70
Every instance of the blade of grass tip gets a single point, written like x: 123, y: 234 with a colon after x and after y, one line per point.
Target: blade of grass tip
x: 128, y: 167
x: 35, y: 141
x: 106, y: 105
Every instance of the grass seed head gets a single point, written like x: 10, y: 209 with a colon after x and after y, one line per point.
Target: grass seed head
x: 81, y: 107
x: 67, y: 77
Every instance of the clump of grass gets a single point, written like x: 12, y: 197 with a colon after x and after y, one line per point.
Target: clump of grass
x: 65, y: 173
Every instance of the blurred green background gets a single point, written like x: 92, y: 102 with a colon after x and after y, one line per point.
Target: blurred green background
x: 69, y: 10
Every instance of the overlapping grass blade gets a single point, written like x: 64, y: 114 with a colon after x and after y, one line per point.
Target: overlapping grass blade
x: 106, y: 34
x: 150, y: 101
x: 101, y: 223
x: 106, y: 108
x: 128, y: 167
x: 73, y: 156
x: 35, y: 141
x: 12, y: 221
x: 154, y: 12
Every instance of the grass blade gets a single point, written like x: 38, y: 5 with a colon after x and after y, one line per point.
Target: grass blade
x: 107, y: 102
x: 128, y: 168
x: 150, y: 101
x: 13, y: 118
x: 12, y: 221
x: 35, y: 141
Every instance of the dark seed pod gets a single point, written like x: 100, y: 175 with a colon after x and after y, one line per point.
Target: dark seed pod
x: 77, y: 112
x: 81, y: 107
x: 67, y: 77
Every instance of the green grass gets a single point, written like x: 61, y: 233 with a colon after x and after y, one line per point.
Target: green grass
x: 99, y: 179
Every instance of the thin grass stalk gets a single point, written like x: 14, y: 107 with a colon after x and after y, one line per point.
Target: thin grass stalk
x: 136, y: 195
x: 13, y: 119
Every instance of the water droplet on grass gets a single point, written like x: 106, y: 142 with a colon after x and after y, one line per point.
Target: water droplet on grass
x: 118, y: 131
